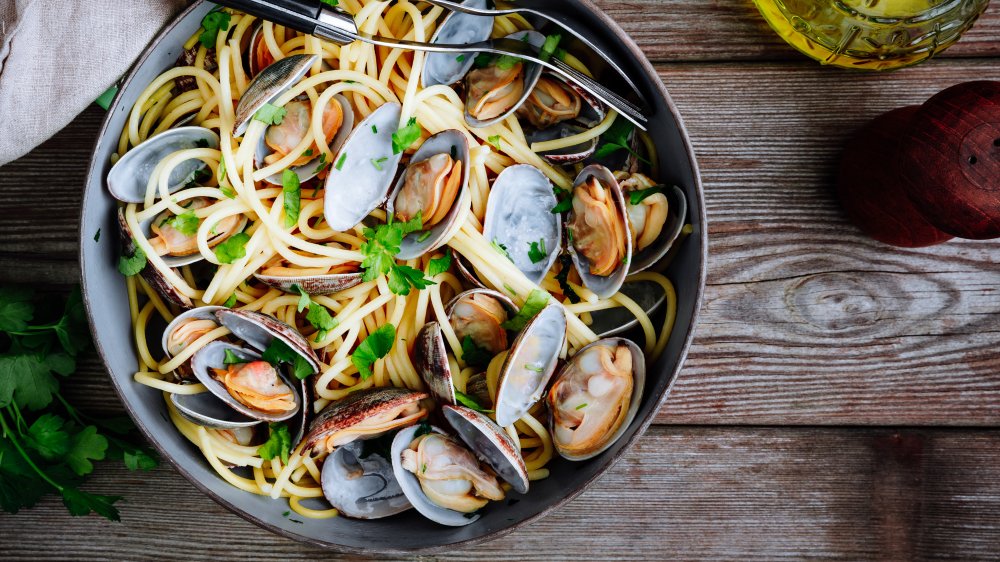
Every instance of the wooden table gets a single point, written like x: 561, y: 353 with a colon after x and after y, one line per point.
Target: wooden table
x: 842, y: 397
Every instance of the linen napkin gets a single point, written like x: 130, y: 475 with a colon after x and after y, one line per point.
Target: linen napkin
x: 58, y: 56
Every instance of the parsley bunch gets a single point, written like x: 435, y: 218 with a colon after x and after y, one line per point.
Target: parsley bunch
x: 47, y: 445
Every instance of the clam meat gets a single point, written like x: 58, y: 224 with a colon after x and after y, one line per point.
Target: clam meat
x: 646, y: 217
x: 552, y: 101
x: 284, y: 137
x: 429, y: 189
x: 257, y: 385
x: 450, y: 476
x: 598, y: 233
x: 176, y: 235
x: 479, y: 316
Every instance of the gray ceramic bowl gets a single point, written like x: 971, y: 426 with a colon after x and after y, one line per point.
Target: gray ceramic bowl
x: 107, y: 306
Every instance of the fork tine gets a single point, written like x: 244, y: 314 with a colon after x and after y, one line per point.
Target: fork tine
x: 579, y: 76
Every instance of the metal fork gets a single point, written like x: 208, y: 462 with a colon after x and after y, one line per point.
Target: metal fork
x: 341, y: 28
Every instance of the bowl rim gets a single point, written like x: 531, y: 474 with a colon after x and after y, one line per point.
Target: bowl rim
x: 702, y: 259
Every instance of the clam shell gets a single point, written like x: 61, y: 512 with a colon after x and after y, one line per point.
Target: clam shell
x: 676, y: 217
x: 411, y: 486
x: 603, y: 286
x: 128, y: 178
x: 310, y: 169
x: 456, y: 29
x: 568, y: 155
x: 363, y: 488
x: 358, y: 187
x: 419, y: 243
x: 355, y: 408
x: 612, y: 321
x: 466, y: 270
x: 200, y: 313
x: 152, y: 275
x: 259, y: 329
x: 180, y: 261
x: 212, y: 357
x: 205, y: 409
x: 530, y: 363
x: 532, y: 72
x: 639, y: 381
x: 504, y: 300
x: 490, y: 443
x: 268, y: 85
x: 519, y: 212
x: 430, y: 357
x: 312, y: 284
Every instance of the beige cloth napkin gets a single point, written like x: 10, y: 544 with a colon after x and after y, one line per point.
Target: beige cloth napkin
x: 58, y: 56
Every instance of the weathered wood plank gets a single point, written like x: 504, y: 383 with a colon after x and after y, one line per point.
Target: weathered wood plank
x: 688, y: 493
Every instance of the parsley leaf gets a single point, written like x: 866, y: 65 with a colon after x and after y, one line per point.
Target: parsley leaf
x: 139, y: 460
x: 500, y: 248
x: 231, y: 358
x: 86, y: 446
x: 402, y: 277
x: 233, y: 248
x: 47, y: 437
x: 495, y: 140
x: 536, y: 301
x: 186, y: 223
x: 474, y: 355
x: 438, y: 266
x: 132, y: 265
x: 278, y: 444
x: 507, y: 62
x: 97, y: 235
x: 617, y: 138
x: 536, y: 251
x: 470, y: 402
x: 231, y: 301
x: 380, y: 248
x: 404, y: 137
x: 16, y: 309
x: 377, y: 345
x: 270, y: 114
x: 212, y: 24
x: 318, y: 314
x: 639, y: 195
x: 26, y: 380
x: 81, y: 503
x: 278, y: 352
x: 292, y: 196
x: 340, y: 161
x: 378, y: 162
x: 333, y: 3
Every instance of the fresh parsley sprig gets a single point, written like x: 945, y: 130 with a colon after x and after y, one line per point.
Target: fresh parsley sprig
x: 213, y: 22
x: 380, y: 248
x: 47, y: 445
x: 377, y: 345
x: 617, y: 138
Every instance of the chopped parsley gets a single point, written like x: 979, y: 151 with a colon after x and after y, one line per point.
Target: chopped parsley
x: 404, y: 137
x: 232, y: 359
x: 470, y: 402
x: 231, y: 301
x: 211, y: 25
x: 278, y: 352
x: 291, y: 192
x: 333, y: 3
x: 321, y: 166
x: 97, y: 235
x: 340, y: 162
x: 533, y: 368
x: 617, y: 138
x: 500, y: 248
x: 536, y: 301
x: 234, y: 248
x: 565, y: 265
x: 639, y: 195
x: 495, y: 140
x: 132, y: 265
x: 460, y: 58
x: 581, y: 406
x: 549, y: 48
x: 377, y: 345
x: 380, y: 248
x: 374, y: 130
x: 437, y: 266
x: 474, y: 355
x: 536, y: 251
x: 424, y: 236
x: 270, y: 114
x: 278, y: 444
x: 378, y: 163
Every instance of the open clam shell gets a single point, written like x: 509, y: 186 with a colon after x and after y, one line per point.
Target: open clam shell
x: 648, y: 295
x: 180, y: 261
x: 268, y: 85
x: 490, y: 443
x: 450, y: 142
x: 676, y: 218
x: 362, y: 172
x: 457, y: 29
x: 258, y: 330
x: 570, y: 154
x: 430, y: 357
x: 530, y: 363
x: 152, y: 275
x: 206, y: 409
x: 519, y: 213
x: 365, y: 414
x: 213, y: 355
x: 614, y: 432
x: 312, y: 284
x: 200, y: 313
x: 532, y: 72
x: 310, y: 169
x: 129, y: 177
x: 604, y: 286
x: 359, y: 486
x: 410, y: 485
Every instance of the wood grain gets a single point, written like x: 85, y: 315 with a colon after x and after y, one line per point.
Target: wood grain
x: 687, y: 493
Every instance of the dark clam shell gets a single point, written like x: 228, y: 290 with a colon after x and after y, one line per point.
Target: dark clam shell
x: 490, y: 443
x: 356, y: 408
x: 258, y: 330
x: 152, y: 275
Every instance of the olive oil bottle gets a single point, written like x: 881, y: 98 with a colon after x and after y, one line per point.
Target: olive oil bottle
x: 871, y: 34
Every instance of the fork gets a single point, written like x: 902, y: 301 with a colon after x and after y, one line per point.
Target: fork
x: 309, y: 16
x: 341, y: 28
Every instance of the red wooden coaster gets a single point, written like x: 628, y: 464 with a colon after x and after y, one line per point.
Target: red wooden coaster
x: 950, y: 160
x: 871, y: 188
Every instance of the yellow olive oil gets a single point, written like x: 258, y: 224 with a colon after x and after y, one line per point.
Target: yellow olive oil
x: 871, y: 34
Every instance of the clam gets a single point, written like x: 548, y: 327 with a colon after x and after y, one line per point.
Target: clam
x: 433, y: 187
x: 364, y: 414
x: 150, y: 274
x: 175, y: 244
x: 530, y: 363
x: 569, y: 154
x: 558, y: 109
x: 268, y: 85
x: 442, y: 479
x: 315, y: 281
x: 457, y: 29
x: 600, y: 242
x: 363, y: 170
x: 519, y: 215
x: 595, y: 397
x: 184, y: 330
x: 252, y: 386
x: 477, y: 313
x: 655, y: 220
x: 360, y: 483
x: 490, y: 443
x: 498, y: 89
x: 129, y: 177
x: 246, y: 384
x: 279, y: 140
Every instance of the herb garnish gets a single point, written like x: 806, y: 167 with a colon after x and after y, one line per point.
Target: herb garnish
x: 132, y: 265
x: 473, y: 355
x: 278, y: 352
x: 231, y: 358
x: 318, y: 315
x: 378, y: 163
x: 186, y: 223
x: 292, y: 195
x: 581, y: 406
x: 437, y: 266
x: 212, y: 24
x: 565, y: 265
x: 380, y: 248
x: 405, y: 136
x: 536, y: 251
x: 278, y: 444
x: 470, y: 402
x: 617, y: 138
x: 495, y: 141
x: 549, y: 48
x: 270, y: 114
x: 639, y: 195
x: 536, y: 301
x: 501, y: 248
x: 233, y: 248
x: 231, y: 301
x: 340, y: 162
x: 376, y: 346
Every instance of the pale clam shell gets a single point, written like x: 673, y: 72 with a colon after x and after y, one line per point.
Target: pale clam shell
x: 129, y: 177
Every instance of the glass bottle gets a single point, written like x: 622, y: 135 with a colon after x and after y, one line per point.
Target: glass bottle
x: 871, y: 34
